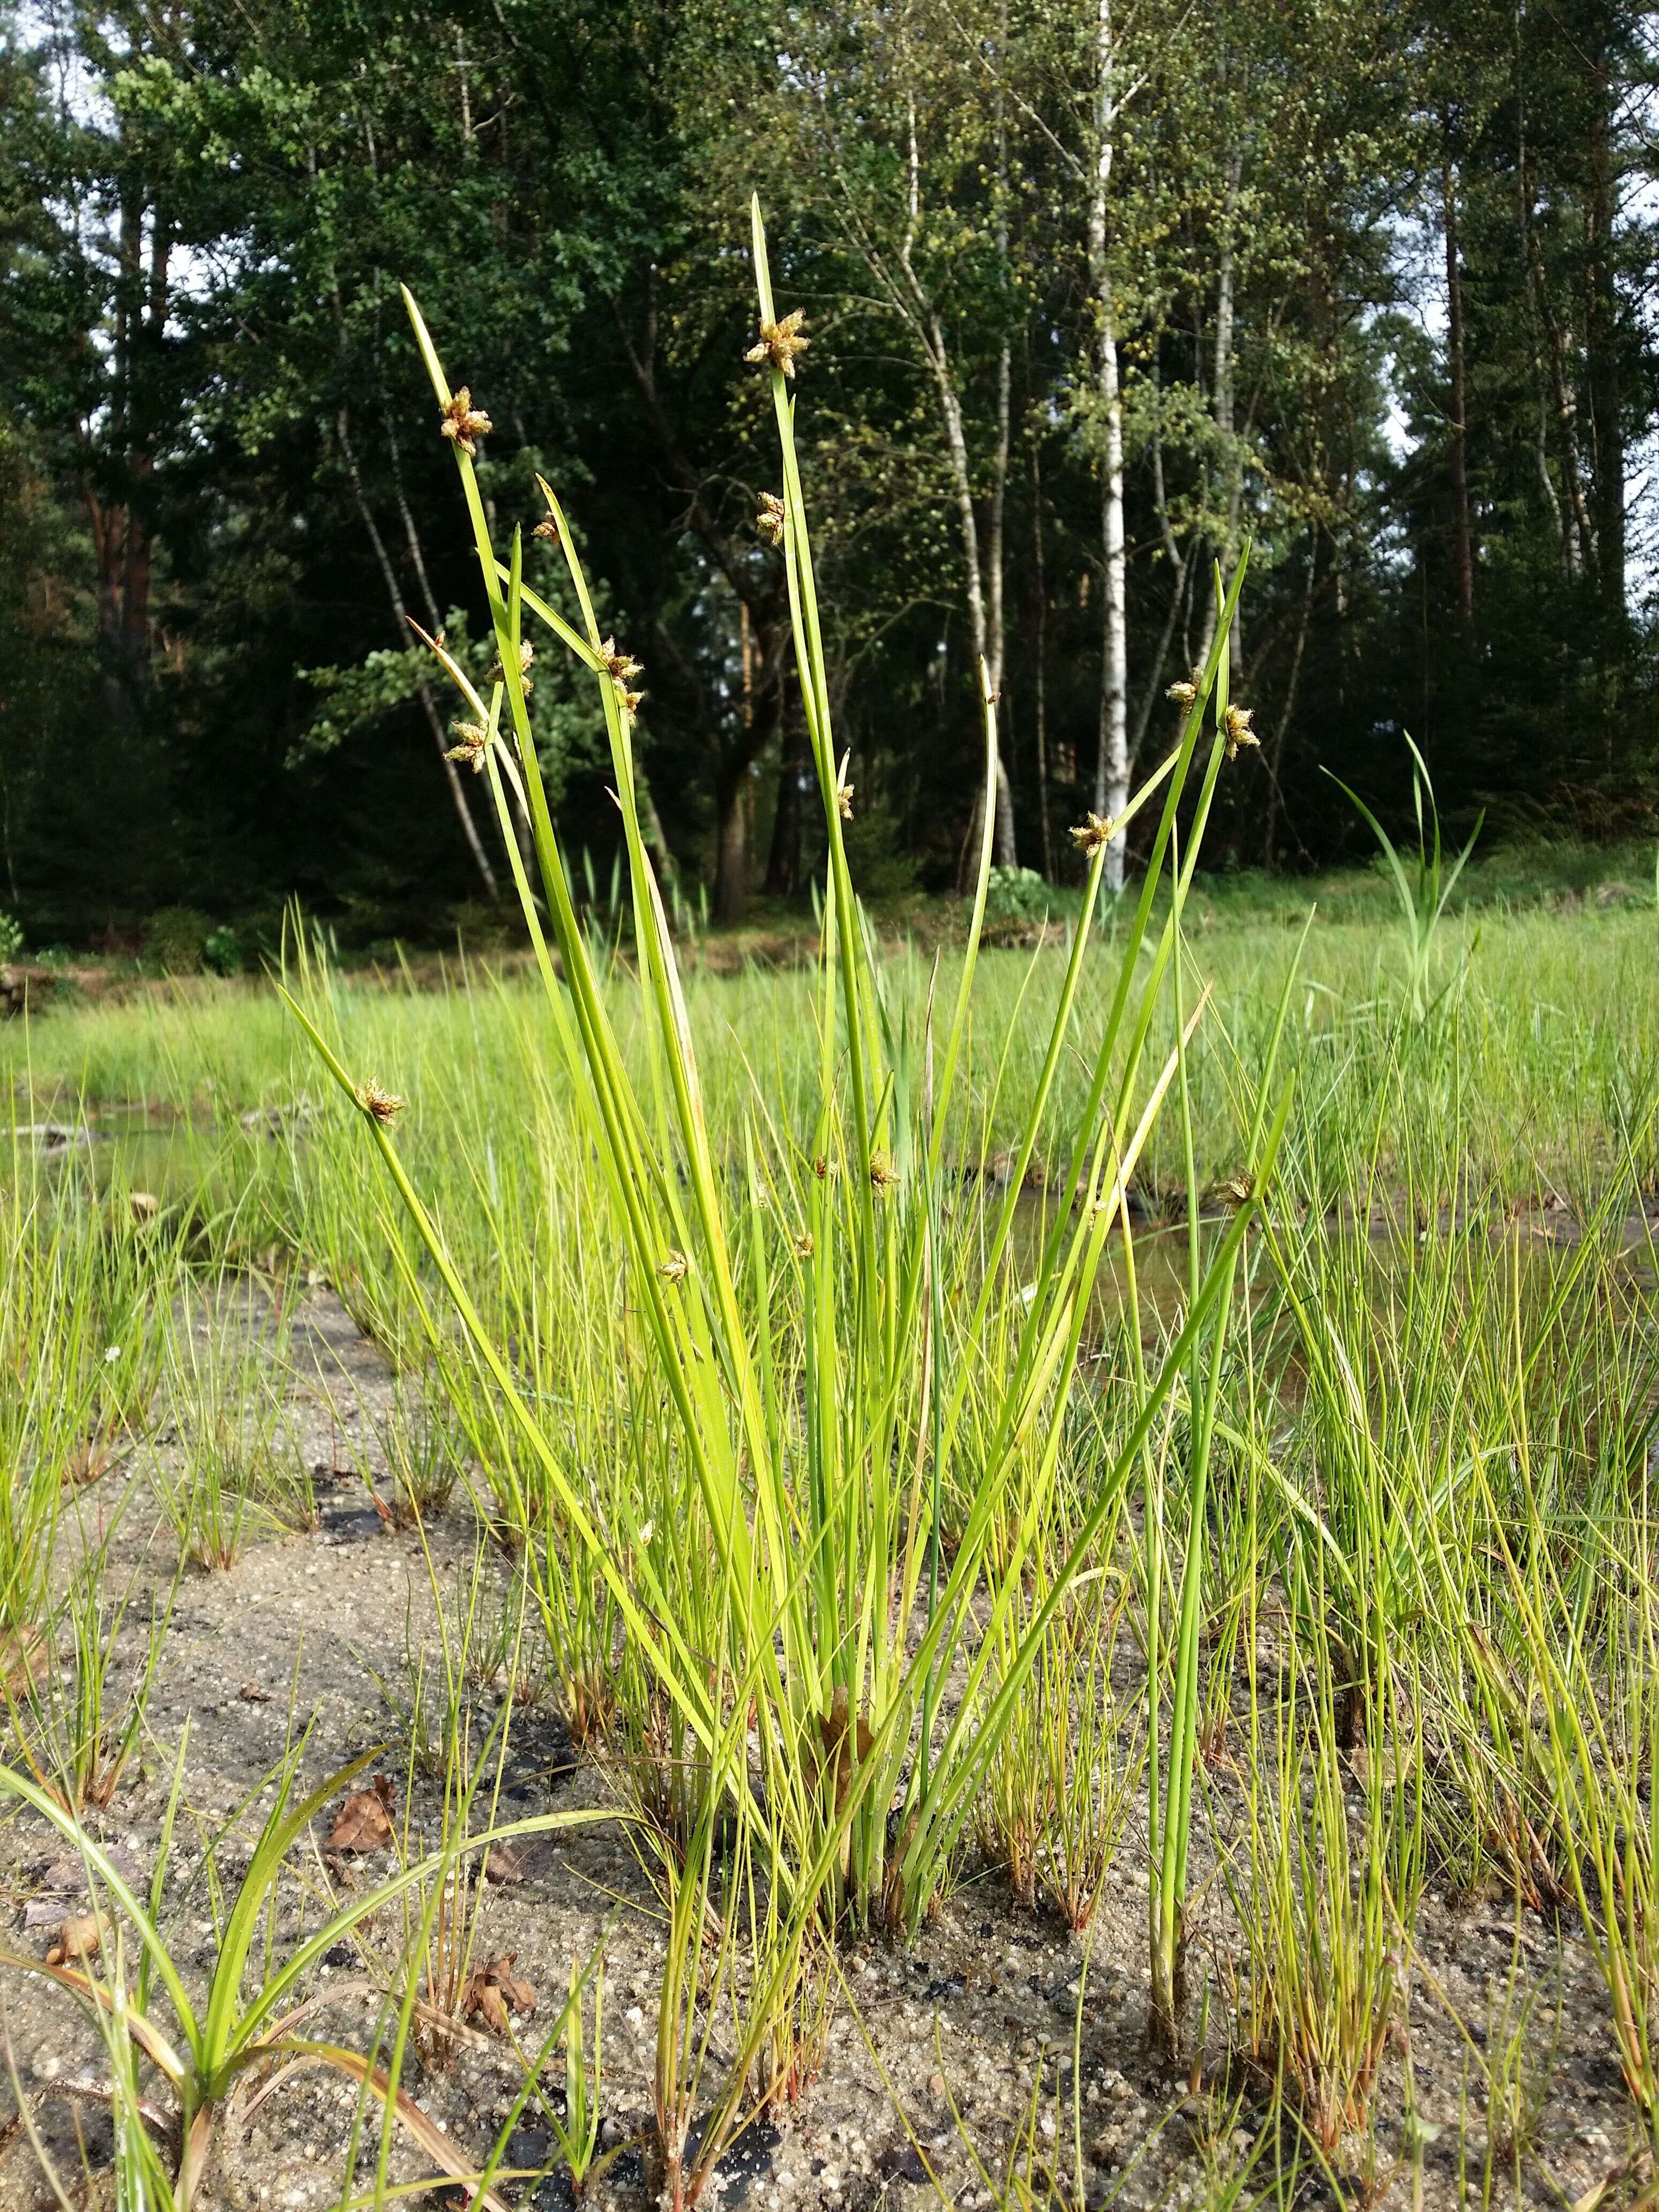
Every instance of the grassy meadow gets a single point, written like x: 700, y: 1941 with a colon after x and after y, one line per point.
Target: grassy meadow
x: 1422, y: 1633
x: 1146, y: 1438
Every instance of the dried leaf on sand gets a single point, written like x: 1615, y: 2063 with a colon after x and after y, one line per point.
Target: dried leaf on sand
x: 81, y: 1936
x: 24, y: 1656
x: 494, y: 1992
x: 363, y: 1823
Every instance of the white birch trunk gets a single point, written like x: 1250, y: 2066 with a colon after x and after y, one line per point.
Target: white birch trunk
x: 1112, y: 758
x: 1223, y: 400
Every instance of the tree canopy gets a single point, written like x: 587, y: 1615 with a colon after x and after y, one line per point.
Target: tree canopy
x: 1097, y: 296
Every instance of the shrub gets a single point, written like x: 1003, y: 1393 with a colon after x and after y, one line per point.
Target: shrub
x: 476, y: 926
x: 874, y: 841
x: 221, y: 949
x: 1015, y: 895
x: 175, y: 938
x: 11, y: 939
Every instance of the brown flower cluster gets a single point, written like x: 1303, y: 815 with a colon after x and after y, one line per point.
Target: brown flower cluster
x: 472, y: 745
x: 381, y: 1106
x: 621, y: 669
x: 1235, y: 726
x: 780, y: 343
x: 464, y: 423
x: 526, y: 661
x: 1092, y: 834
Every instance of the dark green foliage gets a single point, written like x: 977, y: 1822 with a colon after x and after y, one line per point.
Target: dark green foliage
x: 222, y: 951
x: 1016, y: 896
x: 223, y: 498
x: 176, y: 937
x: 881, y: 867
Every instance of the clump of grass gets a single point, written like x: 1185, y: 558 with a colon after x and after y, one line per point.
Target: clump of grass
x: 242, y: 1476
x: 423, y: 1450
x: 829, y: 1470
x: 86, y: 1719
x: 742, y: 1969
x: 1057, y: 1796
x: 809, y: 1322
x: 83, y: 1300
x: 1329, y: 1909
x: 1591, y: 1720
x: 1094, y: 1755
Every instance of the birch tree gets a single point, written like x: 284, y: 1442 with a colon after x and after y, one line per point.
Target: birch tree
x: 926, y: 216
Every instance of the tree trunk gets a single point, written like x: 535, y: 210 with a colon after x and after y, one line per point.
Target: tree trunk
x: 731, y: 856
x: 136, y: 571
x: 1006, y: 855
x: 1040, y: 669
x: 1464, y: 554
x: 1276, y: 742
x: 1601, y: 364
x: 732, y: 793
x: 996, y: 628
x: 913, y: 303
x: 783, y: 858
x: 1112, y: 753
x: 428, y: 704
x: 1225, y: 431
x: 979, y: 629
x: 1576, y: 531
x: 147, y: 341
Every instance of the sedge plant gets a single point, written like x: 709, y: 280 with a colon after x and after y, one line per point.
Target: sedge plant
x: 1176, y: 1658
x: 1423, y: 886
x: 802, y: 1318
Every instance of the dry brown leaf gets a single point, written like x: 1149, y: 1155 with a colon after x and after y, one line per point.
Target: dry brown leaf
x: 502, y: 1866
x: 25, y: 1656
x: 252, y: 1694
x: 89, y: 1458
x: 363, y: 1823
x: 845, y: 1742
x: 493, y: 1990
x: 81, y: 1936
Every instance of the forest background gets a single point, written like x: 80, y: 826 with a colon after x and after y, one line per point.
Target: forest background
x: 1095, y: 294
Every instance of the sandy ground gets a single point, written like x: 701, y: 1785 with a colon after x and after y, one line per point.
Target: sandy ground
x: 955, y: 2031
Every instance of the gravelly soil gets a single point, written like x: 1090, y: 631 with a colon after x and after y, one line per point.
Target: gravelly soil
x: 954, y: 2031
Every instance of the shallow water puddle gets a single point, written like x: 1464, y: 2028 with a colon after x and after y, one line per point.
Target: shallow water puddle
x: 174, y: 1156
